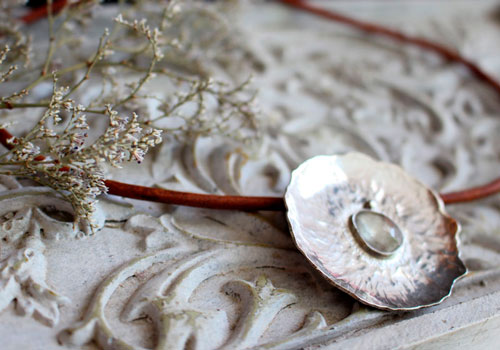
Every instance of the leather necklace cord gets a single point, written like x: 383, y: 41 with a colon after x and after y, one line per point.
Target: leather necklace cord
x: 252, y: 203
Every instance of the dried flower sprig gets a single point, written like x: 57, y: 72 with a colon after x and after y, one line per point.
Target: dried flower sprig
x: 235, y: 115
x: 67, y: 152
x: 55, y: 152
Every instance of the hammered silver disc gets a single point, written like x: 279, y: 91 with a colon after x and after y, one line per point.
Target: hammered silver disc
x: 325, y: 193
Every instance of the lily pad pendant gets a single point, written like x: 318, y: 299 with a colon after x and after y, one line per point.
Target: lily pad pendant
x: 373, y: 231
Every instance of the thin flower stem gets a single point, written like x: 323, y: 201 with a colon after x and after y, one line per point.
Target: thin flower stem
x: 49, y: 10
x: 52, y: 39
x: 90, y: 66
x: 141, y: 82
x: 82, y: 65
x: 179, y: 103
x: 11, y: 105
x: 96, y: 111
x: 36, y: 82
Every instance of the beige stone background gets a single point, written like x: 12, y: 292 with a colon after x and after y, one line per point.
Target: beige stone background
x: 167, y: 277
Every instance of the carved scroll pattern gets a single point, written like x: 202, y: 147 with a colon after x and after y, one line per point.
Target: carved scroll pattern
x: 206, y: 279
x: 206, y: 293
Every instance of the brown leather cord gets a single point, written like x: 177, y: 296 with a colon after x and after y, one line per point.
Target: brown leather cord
x: 277, y: 203
x: 195, y: 199
x: 372, y: 28
x: 42, y: 11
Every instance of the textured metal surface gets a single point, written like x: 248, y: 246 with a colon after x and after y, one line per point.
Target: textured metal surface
x: 326, y: 191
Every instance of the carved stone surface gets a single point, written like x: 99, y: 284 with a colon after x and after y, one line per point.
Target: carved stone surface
x: 167, y: 277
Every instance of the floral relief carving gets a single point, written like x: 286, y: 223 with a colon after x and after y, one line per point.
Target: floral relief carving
x: 30, y: 215
x: 209, y: 279
x: 22, y: 278
x: 171, y: 293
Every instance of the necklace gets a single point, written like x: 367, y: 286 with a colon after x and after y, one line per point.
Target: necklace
x: 347, y: 215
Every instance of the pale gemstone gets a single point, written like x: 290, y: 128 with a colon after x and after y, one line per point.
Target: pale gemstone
x: 379, y: 233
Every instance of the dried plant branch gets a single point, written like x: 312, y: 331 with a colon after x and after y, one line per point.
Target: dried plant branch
x: 61, y: 150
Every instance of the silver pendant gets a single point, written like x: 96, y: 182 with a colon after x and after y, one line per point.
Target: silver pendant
x: 374, y: 231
